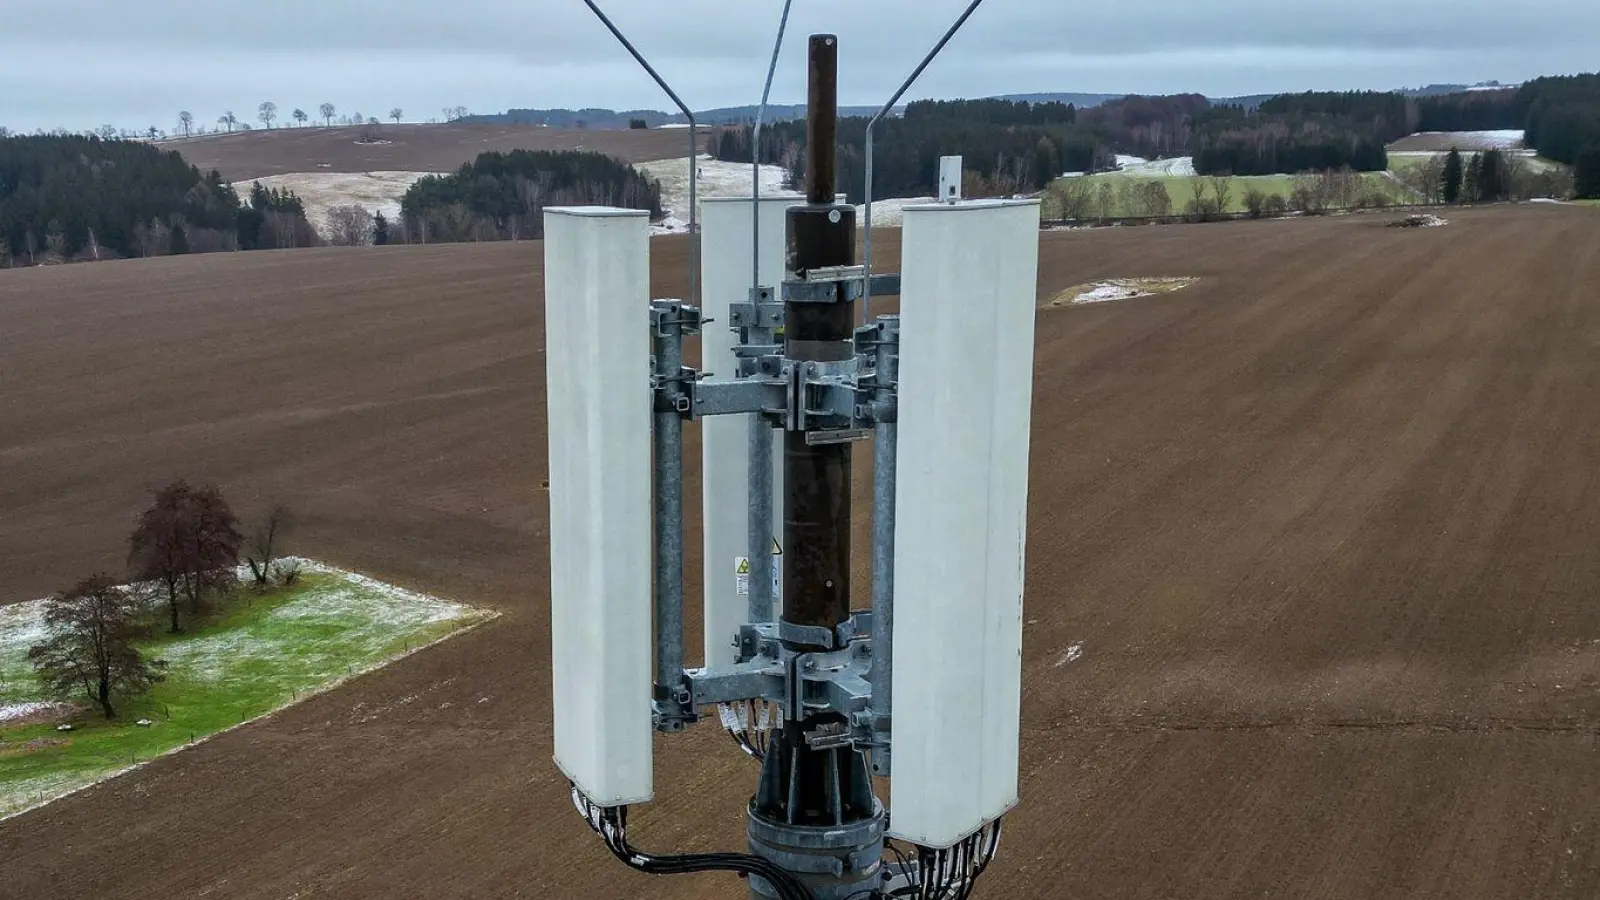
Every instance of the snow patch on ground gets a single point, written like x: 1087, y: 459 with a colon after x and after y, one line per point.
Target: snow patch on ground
x: 1139, y: 167
x: 717, y: 179
x: 1102, y: 293
x: 1176, y: 167
x: 22, y: 624
x: 890, y: 213
x: 724, y: 179
x: 1119, y: 289
x: 322, y: 191
x: 1071, y: 654
x: 362, y: 610
x: 1504, y: 139
x: 13, y: 711
x: 1420, y: 221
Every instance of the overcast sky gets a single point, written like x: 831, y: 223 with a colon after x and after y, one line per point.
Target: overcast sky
x: 81, y: 63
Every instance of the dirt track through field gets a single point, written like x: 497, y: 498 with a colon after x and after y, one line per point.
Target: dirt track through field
x: 408, y: 148
x: 1322, y: 526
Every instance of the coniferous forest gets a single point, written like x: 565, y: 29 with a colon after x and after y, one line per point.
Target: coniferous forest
x: 69, y: 198
x: 502, y: 196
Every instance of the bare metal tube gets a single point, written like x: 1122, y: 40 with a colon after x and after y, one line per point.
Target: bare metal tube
x: 886, y: 364
x: 668, y: 445
x: 761, y: 474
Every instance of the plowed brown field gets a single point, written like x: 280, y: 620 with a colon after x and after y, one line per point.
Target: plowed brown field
x: 408, y: 148
x: 1324, y: 525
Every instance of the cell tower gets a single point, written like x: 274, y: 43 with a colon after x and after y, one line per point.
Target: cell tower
x: 923, y: 687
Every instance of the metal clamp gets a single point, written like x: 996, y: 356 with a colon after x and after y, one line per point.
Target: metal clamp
x: 755, y: 315
x: 665, y: 315
x: 720, y: 398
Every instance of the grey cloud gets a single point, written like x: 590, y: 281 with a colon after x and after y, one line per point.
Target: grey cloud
x: 133, y: 63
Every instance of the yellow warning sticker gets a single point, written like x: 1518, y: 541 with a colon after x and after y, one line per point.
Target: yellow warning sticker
x: 744, y: 566
x: 776, y: 549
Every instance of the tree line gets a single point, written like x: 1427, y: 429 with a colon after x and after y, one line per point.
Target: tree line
x: 1008, y: 147
x: 269, y: 115
x: 1299, y: 133
x: 70, y: 198
x: 502, y: 196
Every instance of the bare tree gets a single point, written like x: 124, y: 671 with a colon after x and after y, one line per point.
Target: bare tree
x: 186, y: 122
x: 459, y: 112
x: 1310, y: 194
x: 327, y: 111
x: 1201, y: 208
x: 1425, y: 180
x: 267, y: 112
x: 299, y: 116
x: 228, y: 119
x: 396, y: 114
x: 188, y: 542
x: 107, y: 132
x: 1128, y: 197
x: 263, y: 544
x: 1222, y: 192
x: 349, y: 226
x: 90, y: 649
x: 1106, y: 200
x: 1157, y: 200
x: 1255, y: 201
x: 1077, y: 196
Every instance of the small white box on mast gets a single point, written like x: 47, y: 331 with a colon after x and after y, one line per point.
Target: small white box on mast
x: 949, y: 179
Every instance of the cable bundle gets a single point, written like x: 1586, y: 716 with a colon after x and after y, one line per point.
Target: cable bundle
x: 750, y: 722
x: 611, y: 823
x: 945, y: 874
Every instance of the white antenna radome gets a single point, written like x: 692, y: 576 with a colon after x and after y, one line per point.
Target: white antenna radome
x: 597, y: 371
x: 725, y: 440
x: 968, y: 289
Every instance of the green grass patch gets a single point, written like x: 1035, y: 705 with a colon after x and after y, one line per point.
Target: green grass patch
x: 261, y: 653
x: 1593, y: 203
x: 1181, y: 188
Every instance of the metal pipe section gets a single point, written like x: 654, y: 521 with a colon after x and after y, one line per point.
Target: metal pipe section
x: 886, y: 375
x: 872, y: 125
x: 667, y: 440
x: 816, y: 522
x: 760, y: 521
x: 814, y: 813
x: 761, y: 473
x: 822, y: 118
x: 694, y: 141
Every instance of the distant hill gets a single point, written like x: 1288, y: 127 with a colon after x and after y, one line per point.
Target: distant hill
x: 607, y: 119
x: 610, y: 119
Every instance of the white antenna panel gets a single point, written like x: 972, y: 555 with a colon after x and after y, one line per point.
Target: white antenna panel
x: 725, y: 241
x: 968, y: 292
x: 597, y: 351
